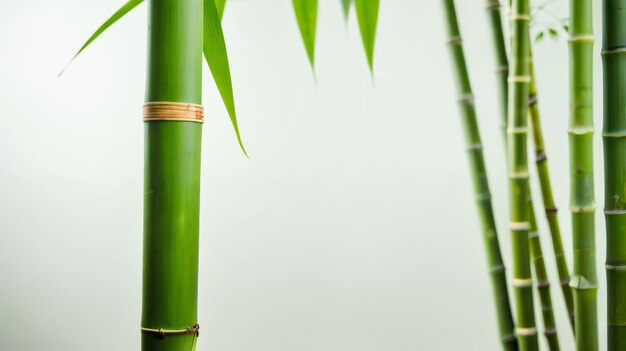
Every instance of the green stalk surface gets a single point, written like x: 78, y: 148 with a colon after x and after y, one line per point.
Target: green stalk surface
x: 502, y: 70
x: 543, y: 284
x: 494, y: 10
x: 480, y: 182
x: 541, y: 162
x: 517, y: 131
x: 614, y: 135
x: 582, y: 204
x: 172, y: 176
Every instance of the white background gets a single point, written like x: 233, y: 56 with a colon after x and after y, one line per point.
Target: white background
x: 352, y: 226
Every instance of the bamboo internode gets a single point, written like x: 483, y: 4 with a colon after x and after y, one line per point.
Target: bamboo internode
x: 173, y: 111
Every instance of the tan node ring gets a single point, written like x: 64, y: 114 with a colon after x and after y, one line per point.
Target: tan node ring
x: 194, y: 329
x: 173, y: 111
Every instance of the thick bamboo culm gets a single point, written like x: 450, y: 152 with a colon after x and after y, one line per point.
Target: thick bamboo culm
x: 614, y: 136
x: 517, y: 131
x: 543, y: 283
x: 582, y: 202
x: 172, y: 176
x: 541, y: 163
x: 481, y: 186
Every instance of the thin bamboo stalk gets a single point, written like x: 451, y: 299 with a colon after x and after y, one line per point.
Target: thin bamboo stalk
x: 494, y: 10
x: 545, y: 184
x: 172, y: 176
x: 614, y: 135
x: 543, y: 283
x: 481, y: 186
x: 517, y: 131
x: 502, y: 70
x: 582, y: 203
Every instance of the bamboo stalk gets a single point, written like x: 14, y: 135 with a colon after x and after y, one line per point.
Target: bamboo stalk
x: 543, y: 283
x: 582, y: 204
x: 549, y: 206
x: 172, y: 177
x: 614, y: 136
x: 481, y: 185
x: 517, y: 131
x: 502, y: 70
x: 494, y: 10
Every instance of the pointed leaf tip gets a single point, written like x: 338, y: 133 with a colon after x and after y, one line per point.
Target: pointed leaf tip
x: 126, y: 8
x: 214, y: 47
x: 306, y: 15
x: 346, y: 8
x: 367, y: 14
x: 220, y: 5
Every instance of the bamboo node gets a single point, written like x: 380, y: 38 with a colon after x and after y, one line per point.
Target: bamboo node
x: 508, y: 338
x: 494, y: 5
x: 581, y: 38
x: 526, y: 331
x: 540, y: 157
x: 194, y: 329
x: 615, y: 211
x: 469, y: 98
x: 518, y: 79
x: 475, y: 147
x: 173, y: 111
x: 550, y: 210
x: 615, y: 267
x: 517, y: 130
x: 580, y: 130
x: 519, y: 226
x: 620, y: 50
x: 550, y: 331
x: 582, y: 209
x: 534, y: 234
x: 520, y: 17
x: 502, y: 68
x: 533, y: 100
x: 542, y: 284
x: 522, y: 283
x: 457, y: 40
x: 519, y: 175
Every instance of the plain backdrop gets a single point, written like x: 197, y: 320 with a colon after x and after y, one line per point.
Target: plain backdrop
x: 351, y: 227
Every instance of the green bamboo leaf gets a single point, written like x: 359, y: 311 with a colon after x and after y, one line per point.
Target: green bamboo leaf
x: 367, y: 14
x: 346, y: 7
x: 539, y: 37
x: 131, y: 4
x: 306, y: 14
x: 220, y: 5
x: 214, y: 48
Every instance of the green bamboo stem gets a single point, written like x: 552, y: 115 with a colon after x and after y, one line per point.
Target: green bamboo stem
x: 517, y: 131
x: 480, y: 182
x: 543, y: 284
x: 172, y: 176
x: 614, y: 136
x: 502, y: 70
x: 494, y: 10
x: 582, y: 204
x: 541, y: 163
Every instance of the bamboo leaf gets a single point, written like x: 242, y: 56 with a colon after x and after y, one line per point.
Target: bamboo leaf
x: 367, y: 14
x: 539, y: 37
x: 214, y: 48
x: 346, y: 8
x: 220, y: 5
x: 306, y: 15
x: 131, y: 4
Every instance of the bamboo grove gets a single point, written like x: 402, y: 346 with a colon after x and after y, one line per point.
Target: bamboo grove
x: 184, y: 33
